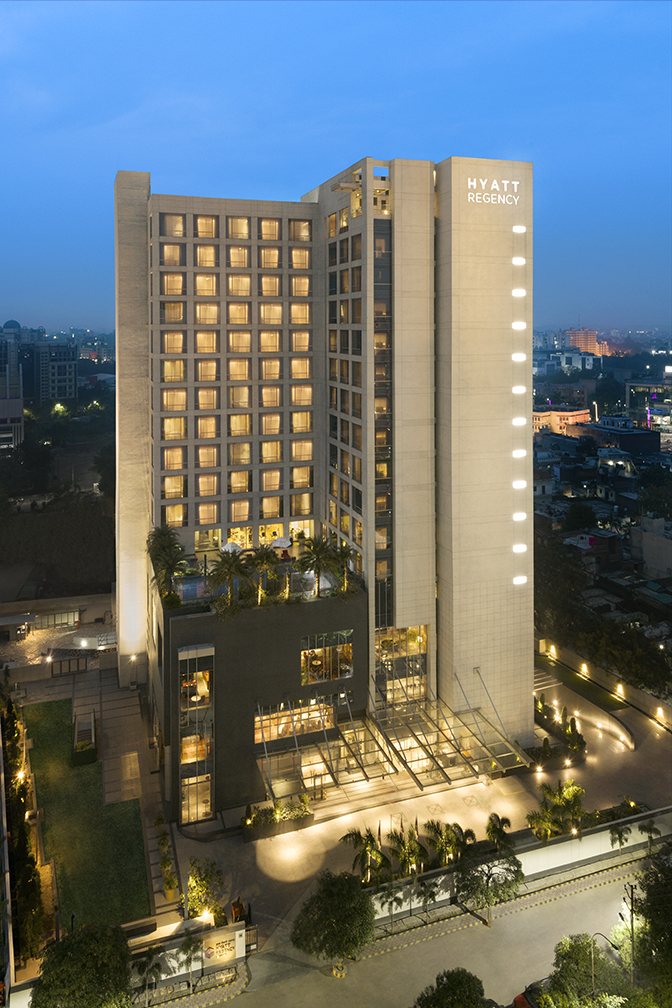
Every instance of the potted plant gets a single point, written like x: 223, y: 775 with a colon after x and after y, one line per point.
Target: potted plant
x: 169, y: 885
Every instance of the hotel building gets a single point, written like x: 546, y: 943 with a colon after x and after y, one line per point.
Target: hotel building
x: 317, y: 368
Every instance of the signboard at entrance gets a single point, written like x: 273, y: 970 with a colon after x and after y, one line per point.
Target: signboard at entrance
x: 224, y: 944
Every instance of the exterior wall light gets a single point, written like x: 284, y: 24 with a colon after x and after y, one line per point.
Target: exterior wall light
x: 519, y: 516
x: 518, y: 292
x: 519, y: 453
x: 519, y: 421
x: 518, y: 389
x: 519, y: 484
x: 518, y: 261
x: 520, y: 548
x: 520, y: 580
x: 519, y: 228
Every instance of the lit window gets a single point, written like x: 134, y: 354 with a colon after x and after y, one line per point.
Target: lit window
x: 205, y: 284
x: 299, y: 314
x: 518, y: 261
x: 172, y: 225
x: 240, y: 454
x: 269, y: 341
x: 172, y: 486
x: 207, y: 457
x: 270, y: 507
x: 207, y: 370
x: 175, y: 515
x: 345, y: 282
x: 301, y: 422
x: 344, y: 312
x: 206, y: 342
x: 343, y: 219
x: 207, y: 514
x: 174, y: 400
x: 270, y: 369
x: 300, y: 287
x: 173, y: 342
x: 240, y: 342
x: 269, y: 258
x: 172, y: 255
x: 205, y: 227
x: 300, y: 258
x: 302, y: 395
x: 173, y: 429
x: 238, y: 256
x: 207, y: 486
x: 299, y: 230
x: 207, y: 314
x: 206, y: 255
x: 300, y: 367
x: 271, y: 451
x: 239, y: 313
x: 269, y: 286
x: 518, y: 389
x: 271, y: 423
x: 270, y: 314
x: 331, y: 225
x: 519, y: 484
x: 207, y: 427
x: 173, y: 458
x: 239, y: 511
x: 301, y: 476
x: 239, y: 284
x: 270, y: 396
x: 239, y: 370
x: 239, y: 482
x: 382, y: 570
x: 172, y: 311
x: 172, y: 370
x: 301, y: 504
x: 357, y: 533
x: 239, y: 397
x: 302, y: 450
x: 240, y: 424
x: 270, y: 480
x: 269, y: 229
x: 238, y: 227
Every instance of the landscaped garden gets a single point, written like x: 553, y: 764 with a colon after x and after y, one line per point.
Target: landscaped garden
x: 98, y: 849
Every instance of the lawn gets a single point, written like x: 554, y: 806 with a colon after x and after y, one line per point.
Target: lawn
x: 98, y: 849
x: 584, y: 687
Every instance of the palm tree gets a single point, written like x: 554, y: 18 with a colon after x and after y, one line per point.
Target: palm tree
x: 427, y: 892
x: 263, y: 560
x: 565, y: 805
x: 187, y: 953
x: 230, y: 567
x: 150, y: 968
x: 407, y: 849
x: 167, y: 555
x: 650, y: 830
x: 368, y: 852
x: 343, y: 554
x: 317, y: 556
x: 495, y: 831
x: 393, y: 900
x: 542, y: 823
x: 442, y: 839
x: 619, y: 835
x: 463, y: 838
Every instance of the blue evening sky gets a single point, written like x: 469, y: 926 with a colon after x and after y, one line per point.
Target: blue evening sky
x: 266, y: 99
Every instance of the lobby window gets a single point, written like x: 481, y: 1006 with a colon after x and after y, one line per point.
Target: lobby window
x: 343, y: 219
x: 269, y: 341
x: 300, y: 258
x: 238, y: 284
x: 270, y: 396
x: 238, y: 257
x: 301, y: 476
x: 302, y: 450
x: 240, y: 453
x: 206, y: 255
x: 270, y: 507
x: 333, y: 254
x: 270, y: 286
x: 271, y: 423
x: 239, y: 369
x: 207, y: 314
x: 300, y: 368
x: 172, y: 342
x: 270, y: 368
x: 174, y: 515
x: 239, y: 482
x: 206, y: 285
x: 270, y: 451
x: 172, y: 370
x: 239, y: 424
x: 301, y: 422
x: 238, y: 227
x: 271, y: 480
x: 239, y: 313
x: 300, y: 286
x: 299, y: 230
x: 174, y: 400
x: 300, y: 504
x: 302, y: 395
x: 239, y: 397
x: 207, y: 514
x: 172, y: 225
x: 173, y: 428
x: 207, y: 370
x: 269, y: 229
x: 240, y: 342
x: 207, y: 486
x: 271, y: 313
x: 343, y: 250
x: 326, y: 656
x: 239, y: 511
x: 331, y: 225
x: 300, y: 314
x: 207, y: 456
x: 172, y: 255
x: 205, y: 226
x: 344, y: 312
x: 206, y: 342
x: 172, y: 311
x: 207, y: 427
x: 173, y: 458
x: 269, y: 258
x: 173, y: 486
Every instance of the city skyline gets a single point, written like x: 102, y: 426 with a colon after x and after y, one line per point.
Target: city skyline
x: 592, y: 124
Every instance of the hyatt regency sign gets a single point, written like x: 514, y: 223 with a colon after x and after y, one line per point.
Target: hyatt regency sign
x: 494, y: 192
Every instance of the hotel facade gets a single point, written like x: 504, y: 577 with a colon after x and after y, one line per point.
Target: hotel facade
x: 318, y: 368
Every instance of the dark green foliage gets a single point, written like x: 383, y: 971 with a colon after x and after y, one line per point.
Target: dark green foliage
x: 656, y: 491
x: 579, y: 516
x: 277, y: 812
x: 337, y: 921
x: 456, y: 988
x: 572, y: 969
x: 654, y: 907
x: 167, y: 555
x: 26, y: 469
x: 490, y: 883
x: 104, y: 463
x: 90, y: 968
x: 205, y: 890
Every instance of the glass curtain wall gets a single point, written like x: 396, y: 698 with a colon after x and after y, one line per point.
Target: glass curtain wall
x: 196, y: 735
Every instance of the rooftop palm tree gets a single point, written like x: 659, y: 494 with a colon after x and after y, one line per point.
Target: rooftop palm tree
x: 368, y: 853
x: 227, y: 569
x: 262, y: 561
x: 343, y: 554
x: 495, y: 831
x: 318, y: 556
x: 167, y: 555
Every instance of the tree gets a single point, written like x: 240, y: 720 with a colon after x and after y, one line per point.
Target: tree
x: 650, y: 831
x: 442, y: 839
x: 392, y: 899
x: 227, y: 569
x: 427, y: 891
x: 167, y: 555
x: 491, y: 882
x: 407, y: 849
x: 188, y: 952
x: 654, y: 943
x: 619, y: 835
x: 337, y: 921
x: 463, y: 839
x: 579, y: 516
x: 105, y: 464
x: 343, y: 554
x: 150, y: 968
x: 656, y: 491
x: 456, y: 988
x: 205, y: 890
x: 368, y: 853
x: 572, y: 973
x: 495, y: 831
x: 88, y: 968
x: 262, y: 561
x: 318, y: 556
x: 561, y: 810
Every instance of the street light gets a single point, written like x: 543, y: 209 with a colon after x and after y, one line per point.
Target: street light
x: 592, y: 957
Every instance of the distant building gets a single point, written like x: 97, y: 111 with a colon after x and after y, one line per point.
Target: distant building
x: 49, y: 371
x: 585, y: 340
x: 11, y: 395
x: 618, y: 432
x: 557, y: 420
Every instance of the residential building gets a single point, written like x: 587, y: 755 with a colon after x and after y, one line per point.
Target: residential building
x: 313, y: 368
x: 557, y: 420
x: 11, y: 392
x: 49, y: 371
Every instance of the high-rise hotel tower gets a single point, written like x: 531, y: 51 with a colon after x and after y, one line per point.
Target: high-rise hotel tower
x: 354, y: 365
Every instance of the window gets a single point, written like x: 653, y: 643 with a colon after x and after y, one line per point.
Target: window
x: 345, y: 463
x: 345, y: 401
x: 271, y: 313
x: 172, y: 342
x: 344, y: 287
x: 356, y: 374
x: 206, y: 227
x: 240, y: 454
x: 343, y: 219
x: 331, y: 225
x: 174, y: 515
x: 271, y: 451
x: 343, y: 250
x: 301, y: 422
x: 333, y: 397
x: 326, y: 656
x: 269, y: 229
x: 356, y: 246
x: 345, y: 493
x: 207, y: 314
x: 239, y: 482
x: 172, y: 311
x: 270, y: 368
x: 357, y: 311
x: 207, y: 427
x: 174, y: 400
x: 271, y: 423
x: 207, y: 514
x: 270, y: 507
x: 239, y: 313
x: 240, y: 424
x: 240, y: 342
x: 302, y: 395
x: 344, y: 369
x: 300, y: 367
x: 357, y: 532
x: 239, y: 397
x: 345, y: 340
x: 270, y: 396
x: 206, y: 285
x: 301, y: 451
x: 357, y: 437
x: 173, y: 429
x: 301, y: 341
x: 238, y: 257
x: 300, y: 504
x: 300, y: 286
x: 357, y: 342
x: 206, y: 342
x: 333, y: 312
x: 206, y: 255
x: 356, y: 278
x: 207, y: 457
x: 333, y: 341
x: 381, y: 404
x: 238, y: 227
x: 333, y: 254
x: 172, y: 370
x: 173, y: 486
x: 172, y: 225
x: 357, y: 468
x: 271, y: 479
x: 238, y: 284
x: 269, y: 286
x: 299, y: 230
x: 269, y: 258
x: 299, y: 314
x: 382, y: 502
x: 172, y: 255
x: 173, y: 284
x: 239, y: 511
x: 382, y: 570
x: 207, y: 486
x: 239, y: 369
x: 333, y: 512
x: 173, y: 458
x: 301, y: 476
x: 333, y: 427
x: 345, y: 523
x: 333, y: 484
x: 300, y: 258
x: 333, y: 283
x: 207, y: 370
x: 269, y: 341
x: 344, y: 312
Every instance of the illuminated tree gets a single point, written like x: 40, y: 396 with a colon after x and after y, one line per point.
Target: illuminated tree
x: 337, y: 921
